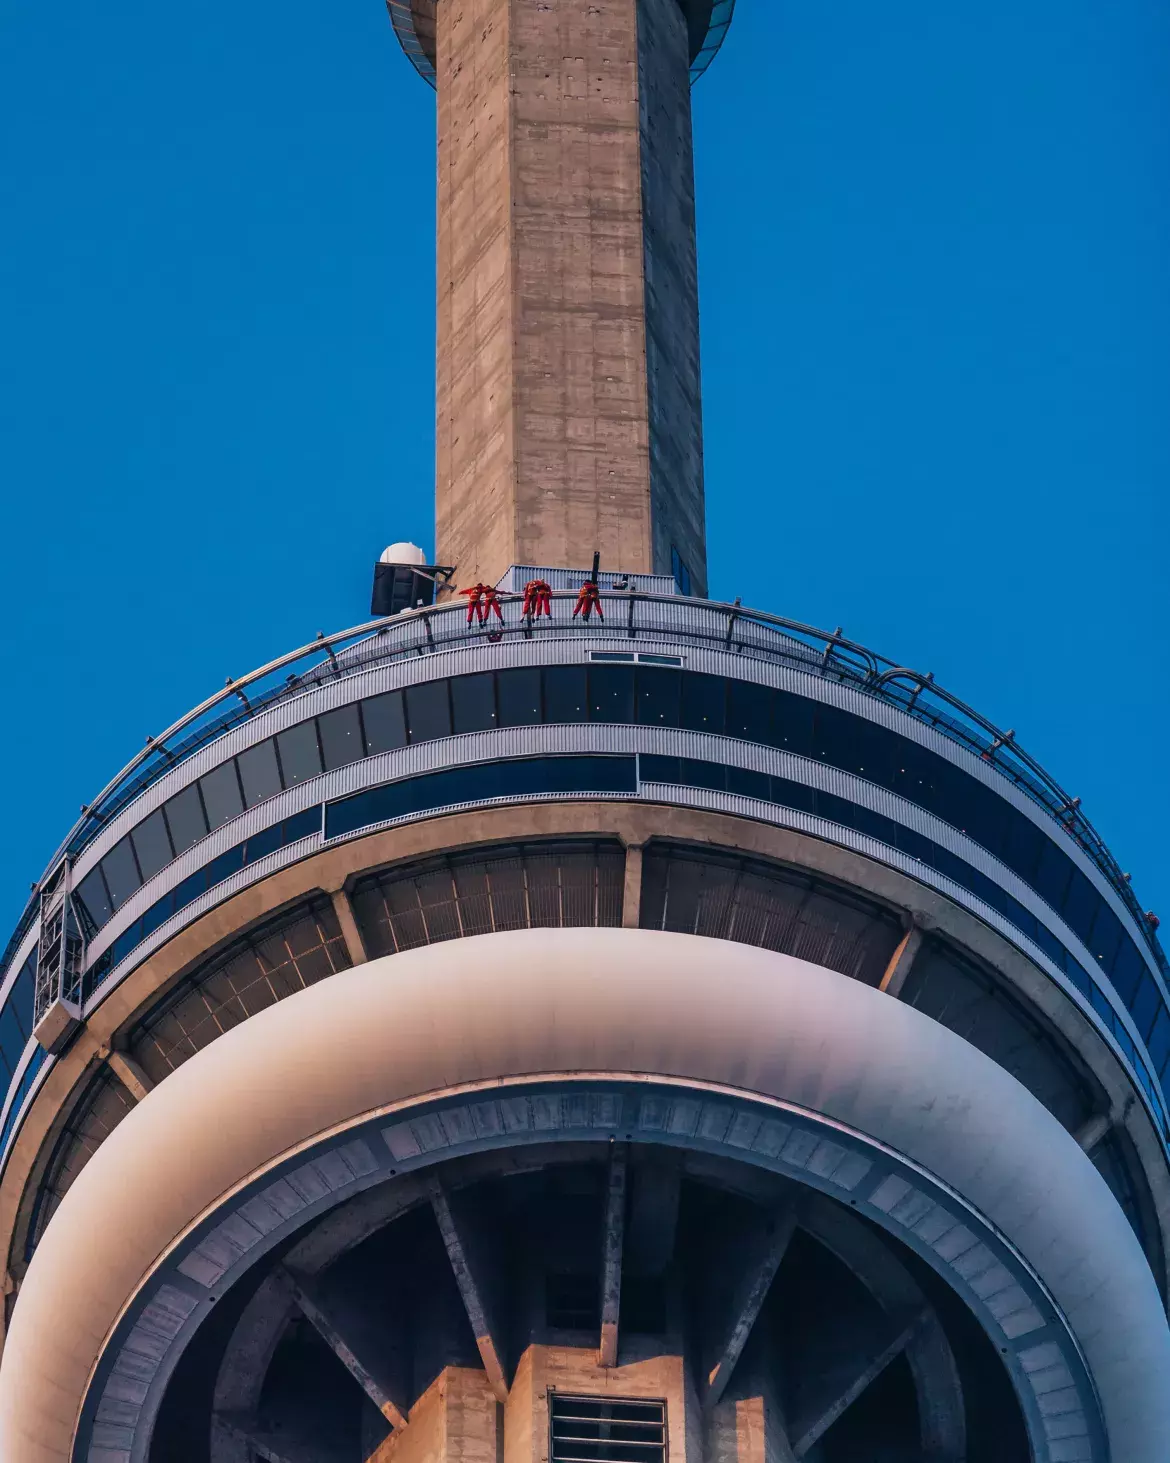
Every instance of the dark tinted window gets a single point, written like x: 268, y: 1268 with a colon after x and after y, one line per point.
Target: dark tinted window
x: 1080, y: 905
x: 185, y: 819
x: 12, y: 1043
x: 341, y: 737
x: 473, y: 703
x: 1053, y: 871
x: 259, y: 773
x: 428, y: 711
x: 704, y: 703
x: 1105, y: 941
x: 517, y: 778
x: 1159, y: 1043
x: 152, y: 844
x: 221, y: 795
x: 385, y: 722
x: 792, y: 727
x: 749, y: 711
x: 564, y: 693
x: 1146, y: 1004
x: 519, y: 693
x: 611, y: 693
x: 300, y: 757
x: 1128, y: 969
x: 94, y: 899
x: 121, y: 872
x: 659, y: 696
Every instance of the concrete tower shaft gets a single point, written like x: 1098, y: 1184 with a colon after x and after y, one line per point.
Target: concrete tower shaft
x: 568, y: 411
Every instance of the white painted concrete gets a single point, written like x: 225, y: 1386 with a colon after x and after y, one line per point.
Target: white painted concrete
x: 564, y: 1002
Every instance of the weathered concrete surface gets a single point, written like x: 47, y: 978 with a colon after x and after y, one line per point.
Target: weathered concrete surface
x: 568, y: 408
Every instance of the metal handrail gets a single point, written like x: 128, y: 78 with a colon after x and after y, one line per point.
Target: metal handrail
x: 426, y: 630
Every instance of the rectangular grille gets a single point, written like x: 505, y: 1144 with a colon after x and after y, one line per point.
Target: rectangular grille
x: 606, y: 1430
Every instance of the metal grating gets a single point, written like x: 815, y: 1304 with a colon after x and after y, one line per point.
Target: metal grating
x: 606, y: 1430
x: 297, y: 949
x: 509, y: 887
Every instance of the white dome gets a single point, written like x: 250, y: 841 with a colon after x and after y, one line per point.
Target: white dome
x: 403, y: 554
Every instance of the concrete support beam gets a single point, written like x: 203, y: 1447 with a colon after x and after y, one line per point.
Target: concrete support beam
x: 748, y: 1299
x: 352, y: 935
x: 128, y: 1072
x: 632, y: 893
x: 338, y: 1331
x: 1101, y: 1124
x: 862, y: 1371
x: 901, y: 961
x: 611, y: 1258
x: 472, y: 1288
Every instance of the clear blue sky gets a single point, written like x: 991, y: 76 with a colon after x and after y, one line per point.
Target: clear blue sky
x: 934, y: 245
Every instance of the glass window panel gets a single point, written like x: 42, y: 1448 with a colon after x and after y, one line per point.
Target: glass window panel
x: 301, y: 825
x: 262, y: 844
x: 1053, y: 871
x: 749, y: 711
x: 185, y: 819
x: 259, y: 773
x: 473, y: 702
x: 1128, y: 969
x: 341, y: 737
x: 793, y: 795
x: 20, y: 997
x: 385, y: 722
x: 1159, y: 1043
x: 152, y: 844
x: 428, y: 711
x: 121, y: 872
x: 659, y: 769
x: 1146, y: 1004
x: 224, y: 865
x: 12, y: 1042
x: 1105, y: 941
x: 519, y: 695
x: 1080, y: 905
x: 793, y: 726
x: 659, y: 693
x: 1024, y: 847
x: 94, y: 899
x: 696, y: 773
x: 747, y: 784
x: 300, y: 757
x: 611, y: 693
x: 564, y: 693
x: 704, y: 703
x: 221, y: 795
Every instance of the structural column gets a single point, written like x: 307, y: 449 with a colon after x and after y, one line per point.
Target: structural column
x: 568, y: 413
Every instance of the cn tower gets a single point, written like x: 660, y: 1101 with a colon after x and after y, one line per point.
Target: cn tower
x: 567, y: 1018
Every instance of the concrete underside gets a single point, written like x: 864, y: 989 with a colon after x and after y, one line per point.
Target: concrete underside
x: 347, y: 1061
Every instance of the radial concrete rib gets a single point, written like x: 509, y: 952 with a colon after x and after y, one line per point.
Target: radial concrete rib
x: 750, y: 1296
x: 471, y: 1288
x: 632, y: 890
x: 350, y: 929
x: 332, y: 1326
x: 611, y: 1256
x: 808, y: 1431
x: 941, y: 1412
x: 129, y: 1073
x: 901, y: 961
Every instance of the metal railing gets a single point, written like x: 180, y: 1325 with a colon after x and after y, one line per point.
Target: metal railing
x: 631, y: 615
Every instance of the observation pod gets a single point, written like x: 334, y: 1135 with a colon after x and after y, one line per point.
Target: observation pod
x: 568, y: 1018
